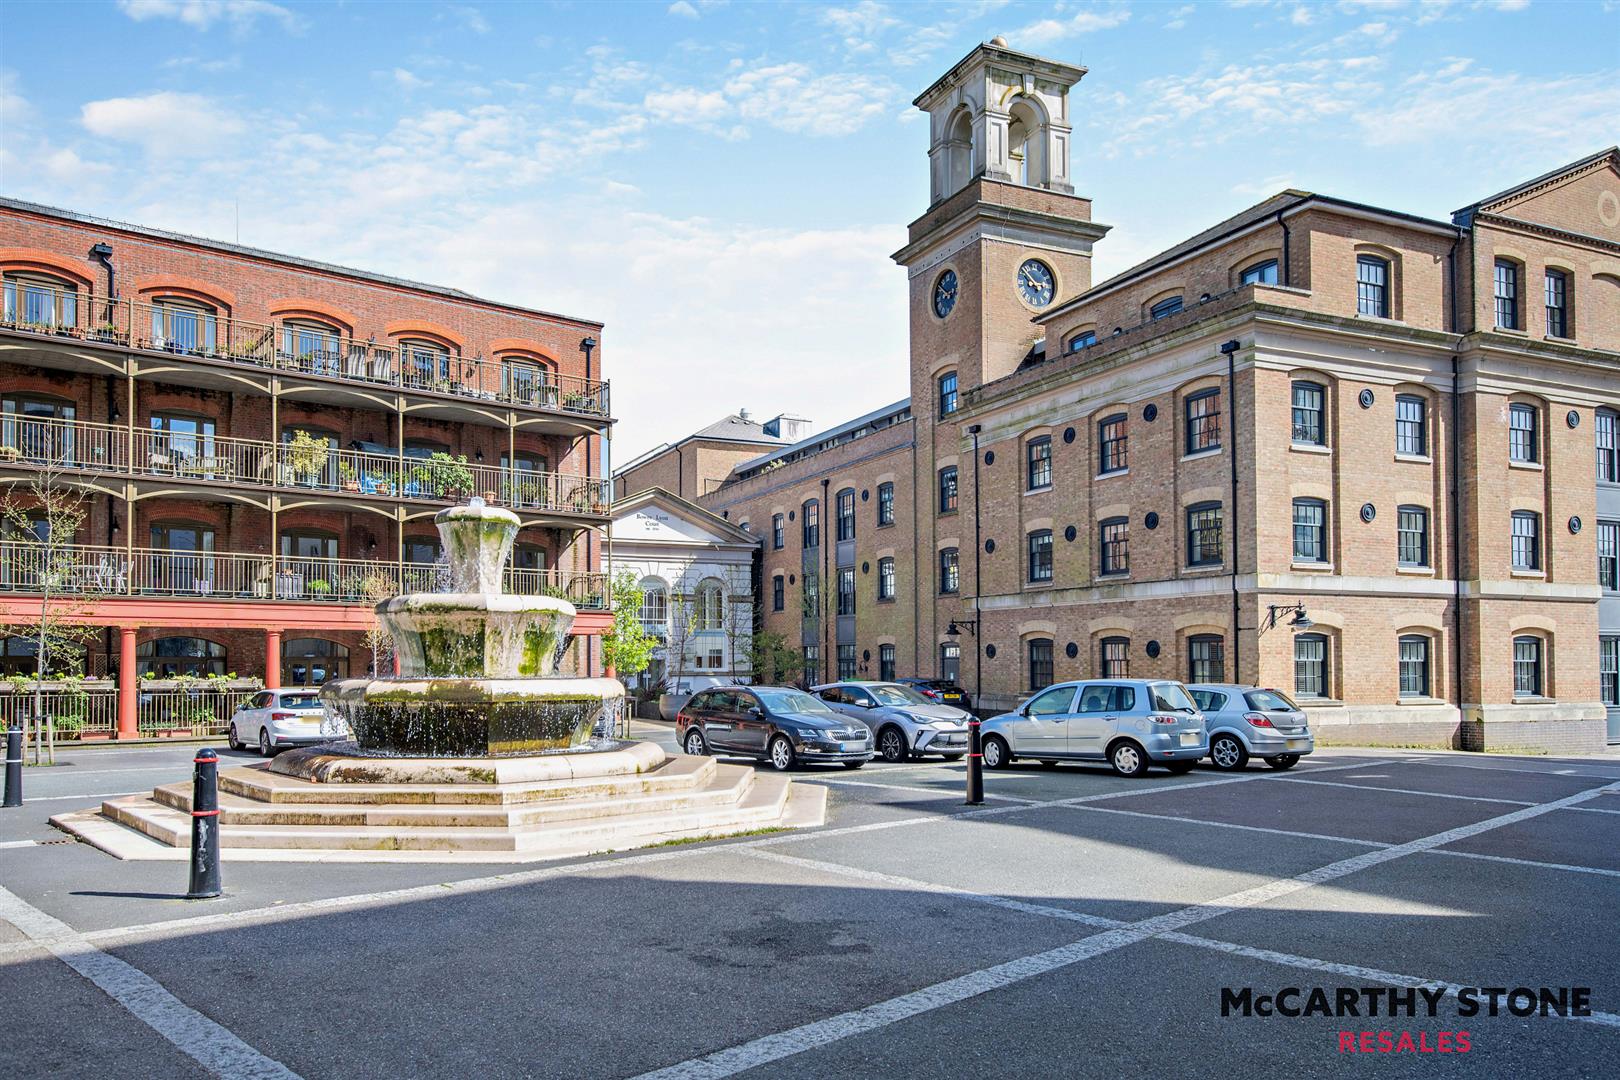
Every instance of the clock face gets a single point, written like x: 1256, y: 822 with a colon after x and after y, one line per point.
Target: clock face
x: 945, y: 293
x: 1035, y: 283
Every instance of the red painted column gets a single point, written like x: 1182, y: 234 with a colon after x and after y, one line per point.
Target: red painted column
x: 272, y: 658
x: 128, y: 684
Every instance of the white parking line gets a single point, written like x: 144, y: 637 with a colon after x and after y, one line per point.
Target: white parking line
x: 938, y: 793
x: 1594, y: 810
x: 102, y: 795
x: 1601, y: 871
x: 1403, y: 791
x: 1562, y: 774
x: 1233, y: 825
x: 16, y: 843
x: 193, y: 1034
x: 783, y: 1044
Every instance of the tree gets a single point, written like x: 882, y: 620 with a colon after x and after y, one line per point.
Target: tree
x: 741, y: 615
x: 775, y: 662
x: 681, y: 614
x: 41, y: 524
x: 376, y: 587
x: 627, y: 648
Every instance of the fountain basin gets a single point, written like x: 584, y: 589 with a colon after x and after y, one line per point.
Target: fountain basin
x: 472, y: 718
x: 467, y: 635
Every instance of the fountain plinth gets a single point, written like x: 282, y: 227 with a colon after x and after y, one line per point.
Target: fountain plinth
x: 475, y: 665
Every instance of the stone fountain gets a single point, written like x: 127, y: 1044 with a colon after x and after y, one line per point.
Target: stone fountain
x: 475, y: 751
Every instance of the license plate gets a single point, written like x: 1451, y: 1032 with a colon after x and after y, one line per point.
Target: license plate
x: 1189, y: 738
x: 1296, y: 744
x: 848, y: 746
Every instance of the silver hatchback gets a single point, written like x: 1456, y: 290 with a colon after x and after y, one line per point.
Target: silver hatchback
x: 1129, y: 723
x: 903, y: 721
x: 1250, y: 721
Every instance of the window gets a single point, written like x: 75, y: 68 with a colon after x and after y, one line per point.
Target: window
x: 947, y: 489
x: 1608, y: 552
x: 311, y: 346
x: 1609, y: 670
x: 812, y: 664
x: 1412, y: 536
x: 778, y: 532
x: 709, y: 609
x: 1261, y: 273
x: 1608, y: 465
x: 950, y: 662
x: 527, y: 382
x: 421, y: 550
x: 424, y: 364
x: 1040, y: 663
x: 1038, y: 461
x: 1112, y: 444
x: 654, y: 608
x: 846, y: 662
x: 187, y: 565
x: 1372, y: 286
x: 950, y: 578
x: 1526, y: 540
x: 312, y: 661
x: 1164, y: 308
x: 1310, y: 530
x: 167, y: 657
x: 40, y: 301
x: 1411, y: 425
x: 1310, y: 666
x: 886, y: 578
x: 1507, y: 294
x: 810, y: 523
x: 1115, y: 658
x: 35, y: 425
x: 1527, y: 675
x: 778, y: 593
x: 1523, y: 444
x: 1204, y: 534
x: 1206, y: 658
x: 1558, y: 304
x: 1114, y: 556
x: 1413, y: 659
x: 1203, y: 411
x: 947, y: 394
x: 1308, y: 427
x: 885, y: 507
x: 1040, y: 556
x: 812, y: 595
x: 886, y: 663
x: 846, y: 590
x: 1083, y: 340
x: 183, y: 326
x: 846, y: 514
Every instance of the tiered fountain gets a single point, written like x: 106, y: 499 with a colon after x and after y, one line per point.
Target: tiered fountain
x: 476, y: 751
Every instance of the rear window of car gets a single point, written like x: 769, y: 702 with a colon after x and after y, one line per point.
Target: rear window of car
x: 701, y: 701
x: 1170, y: 697
x: 1270, y: 701
x: 300, y: 701
x: 1208, y: 700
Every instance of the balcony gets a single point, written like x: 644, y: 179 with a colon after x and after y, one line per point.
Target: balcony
x: 104, y: 571
x: 295, y: 349
x: 143, y: 454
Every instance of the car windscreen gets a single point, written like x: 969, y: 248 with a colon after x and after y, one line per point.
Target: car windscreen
x: 1171, y: 697
x: 891, y: 694
x: 300, y: 701
x: 793, y: 701
x: 1270, y: 701
x: 1208, y: 700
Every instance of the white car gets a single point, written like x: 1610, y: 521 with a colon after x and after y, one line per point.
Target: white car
x: 276, y: 719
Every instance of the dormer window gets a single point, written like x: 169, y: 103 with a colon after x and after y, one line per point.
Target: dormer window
x: 1261, y: 273
x: 1083, y: 340
x: 1170, y: 305
x: 35, y: 300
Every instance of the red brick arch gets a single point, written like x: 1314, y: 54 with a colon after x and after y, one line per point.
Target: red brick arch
x: 190, y: 288
x: 45, y: 262
x: 296, y: 306
x: 509, y: 345
x: 421, y: 328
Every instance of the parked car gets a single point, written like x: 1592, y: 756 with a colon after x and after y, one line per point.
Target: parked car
x: 680, y: 691
x: 1250, y: 721
x: 903, y: 722
x: 943, y: 691
x: 780, y: 724
x: 276, y: 719
x: 1130, y: 723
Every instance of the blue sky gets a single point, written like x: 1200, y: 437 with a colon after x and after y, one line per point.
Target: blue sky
x: 723, y: 183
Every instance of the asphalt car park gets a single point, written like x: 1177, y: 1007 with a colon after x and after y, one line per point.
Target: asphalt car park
x: 1077, y: 923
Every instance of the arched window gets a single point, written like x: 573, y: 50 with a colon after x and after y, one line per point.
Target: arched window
x: 1026, y: 143
x: 165, y: 658
x: 1559, y: 323
x: 709, y: 613
x: 1040, y: 663
x: 1261, y: 273
x: 959, y: 151
x: 309, y: 345
x: 40, y: 426
x: 1170, y: 305
x: 38, y: 302
x: 1309, y: 400
x: 1506, y: 292
x: 527, y: 381
x: 947, y: 394
x: 810, y: 522
x: 654, y: 608
x: 1413, y: 659
x: 846, y: 514
x: 313, y: 661
x: 886, y: 578
x: 950, y: 662
x: 1529, y: 679
x: 183, y: 325
x: 1115, y: 658
x: 1605, y: 424
x: 1311, y: 666
x: 1372, y: 286
x: 20, y: 656
x: 1083, y: 340
x: 1206, y: 659
x: 1524, y: 438
x: 425, y: 364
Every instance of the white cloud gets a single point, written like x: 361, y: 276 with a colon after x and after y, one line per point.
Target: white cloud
x: 14, y: 108
x: 683, y: 9
x: 687, y: 106
x: 469, y: 17
x: 164, y: 122
x: 787, y: 96
x: 1046, y: 32
x: 1497, y: 108
x: 408, y: 80
x: 202, y: 14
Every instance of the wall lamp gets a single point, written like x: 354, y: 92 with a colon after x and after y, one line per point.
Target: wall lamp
x: 957, y: 625
x: 1230, y: 347
x: 1300, y: 620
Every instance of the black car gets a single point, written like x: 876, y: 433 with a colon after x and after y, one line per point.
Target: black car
x: 782, y: 725
x: 943, y: 691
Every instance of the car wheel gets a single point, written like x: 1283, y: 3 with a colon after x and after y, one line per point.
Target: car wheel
x: 1180, y: 768
x: 892, y: 744
x: 1283, y: 761
x: 1128, y: 759
x: 694, y: 744
x: 780, y: 753
x: 232, y: 741
x: 997, y: 754
x: 265, y: 749
x: 853, y: 764
x: 1228, y: 753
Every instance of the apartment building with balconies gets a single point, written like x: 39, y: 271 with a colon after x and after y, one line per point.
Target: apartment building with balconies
x: 263, y: 441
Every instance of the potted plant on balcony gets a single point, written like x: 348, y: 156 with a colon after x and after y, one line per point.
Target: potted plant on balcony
x: 443, y: 476
x: 349, y: 478
x: 106, y: 332
x: 577, y: 400
x: 9, y: 453
x: 320, y: 587
x: 308, y: 456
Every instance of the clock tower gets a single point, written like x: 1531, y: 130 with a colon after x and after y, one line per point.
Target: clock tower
x: 1003, y: 239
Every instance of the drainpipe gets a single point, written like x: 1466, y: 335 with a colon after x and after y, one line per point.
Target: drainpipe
x: 1230, y: 348
x: 1287, y: 278
x: 827, y: 654
x: 1456, y: 484
x: 102, y: 253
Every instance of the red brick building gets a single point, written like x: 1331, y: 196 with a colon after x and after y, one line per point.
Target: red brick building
x: 264, y: 441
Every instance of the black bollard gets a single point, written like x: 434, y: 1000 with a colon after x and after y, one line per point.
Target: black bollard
x: 14, y: 764
x: 204, y: 827
x: 975, y: 773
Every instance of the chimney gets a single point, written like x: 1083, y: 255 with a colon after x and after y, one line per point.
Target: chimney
x: 787, y: 427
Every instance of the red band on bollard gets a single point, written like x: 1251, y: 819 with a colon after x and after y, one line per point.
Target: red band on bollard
x: 205, y: 813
